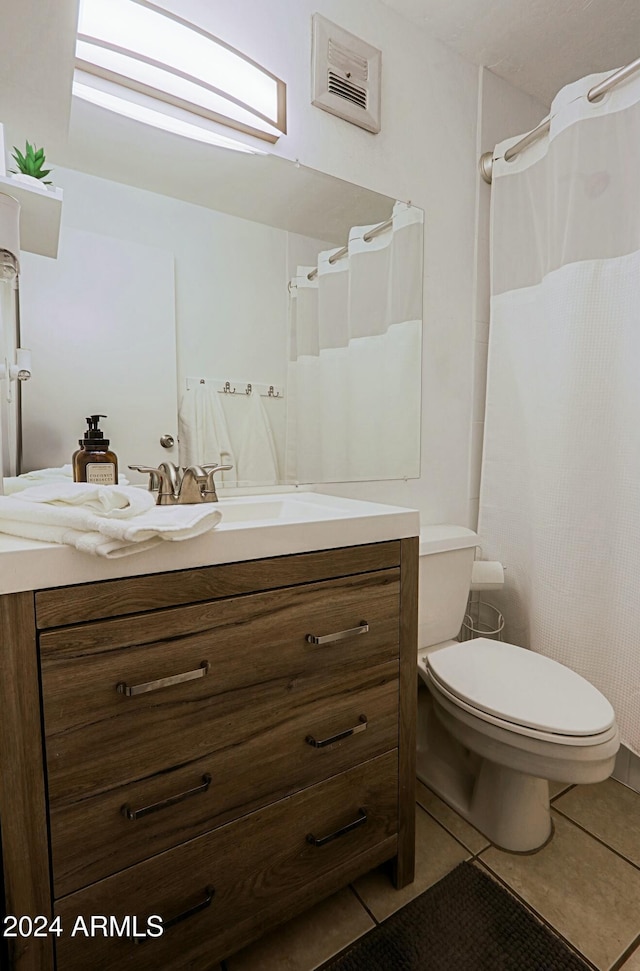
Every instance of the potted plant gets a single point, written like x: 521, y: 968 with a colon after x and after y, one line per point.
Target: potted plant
x: 30, y: 164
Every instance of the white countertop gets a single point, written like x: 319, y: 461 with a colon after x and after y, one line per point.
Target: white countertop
x: 252, y: 527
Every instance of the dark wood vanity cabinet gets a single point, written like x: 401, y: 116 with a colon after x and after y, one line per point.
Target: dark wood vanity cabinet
x: 215, y: 749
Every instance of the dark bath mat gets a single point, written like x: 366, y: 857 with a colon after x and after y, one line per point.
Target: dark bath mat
x: 465, y: 922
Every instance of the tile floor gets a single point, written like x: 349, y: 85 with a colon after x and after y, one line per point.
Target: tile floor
x: 585, y: 883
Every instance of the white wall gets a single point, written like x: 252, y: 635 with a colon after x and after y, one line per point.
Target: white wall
x: 503, y: 111
x: 426, y: 152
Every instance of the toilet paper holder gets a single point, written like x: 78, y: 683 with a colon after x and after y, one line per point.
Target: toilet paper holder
x: 482, y: 619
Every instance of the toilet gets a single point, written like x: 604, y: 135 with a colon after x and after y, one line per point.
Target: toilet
x: 496, y: 722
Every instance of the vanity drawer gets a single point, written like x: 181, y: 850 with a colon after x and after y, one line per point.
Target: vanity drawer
x: 231, y: 883
x: 110, y: 719
x: 93, y: 838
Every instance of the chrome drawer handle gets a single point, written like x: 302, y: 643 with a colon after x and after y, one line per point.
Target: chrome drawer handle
x: 191, y: 912
x: 323, y: 840
x: 139, y: 689
x: 339, y: 635
x: 315, y: 743
x: 130, y: 813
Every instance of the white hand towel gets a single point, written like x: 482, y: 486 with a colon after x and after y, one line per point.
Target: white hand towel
x: 80, y: 526
x: 113, y: 502
x: 257, y: 457
x: 16, y: 483
x: 202, y: 431
x: 90, y: 542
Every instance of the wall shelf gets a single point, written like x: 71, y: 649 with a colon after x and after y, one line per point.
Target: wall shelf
x: 40, y: 212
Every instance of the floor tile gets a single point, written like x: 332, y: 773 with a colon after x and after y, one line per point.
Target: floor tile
x: 436, y: 854
x: 449, y: 818
x: 555, y: 788
x: 632, y: 963
x: 307, y: 940
x: 610, y: 811
x: 580, y: 887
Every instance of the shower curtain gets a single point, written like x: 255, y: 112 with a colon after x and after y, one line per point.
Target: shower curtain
x: 560, y: 493
x: 355, y: 365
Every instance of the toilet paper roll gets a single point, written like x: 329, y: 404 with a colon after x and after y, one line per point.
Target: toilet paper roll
x: 487, y: 575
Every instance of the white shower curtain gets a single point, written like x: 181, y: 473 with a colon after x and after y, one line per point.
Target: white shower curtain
x: 560, y: 494
x: 354, y: 371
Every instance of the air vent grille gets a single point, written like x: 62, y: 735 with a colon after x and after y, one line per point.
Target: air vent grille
x: 348, y: 61
x: 347, y: 90
x: 346, y: 75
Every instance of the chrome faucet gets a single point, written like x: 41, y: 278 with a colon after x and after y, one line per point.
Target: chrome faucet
x: 181, y: 486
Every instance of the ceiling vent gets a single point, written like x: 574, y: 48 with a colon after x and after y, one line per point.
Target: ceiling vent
x: 345, y: 75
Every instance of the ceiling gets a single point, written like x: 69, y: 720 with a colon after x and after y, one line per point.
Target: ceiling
x: 536, y: 45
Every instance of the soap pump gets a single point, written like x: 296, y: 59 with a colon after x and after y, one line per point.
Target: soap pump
x: 94, y: 462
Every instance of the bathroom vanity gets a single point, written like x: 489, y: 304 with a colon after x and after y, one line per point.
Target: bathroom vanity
x: 219, y: 740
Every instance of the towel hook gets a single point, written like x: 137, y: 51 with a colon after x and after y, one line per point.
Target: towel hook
x: 248, y: 389
x: 272, y: 393
x: 227, y: 388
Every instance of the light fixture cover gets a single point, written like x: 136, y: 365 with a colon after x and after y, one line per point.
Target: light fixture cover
x: 153, y: 52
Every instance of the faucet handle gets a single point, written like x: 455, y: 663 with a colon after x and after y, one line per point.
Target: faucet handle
x: 163, y: 480
x: 209, y: 492
x: 154, y: 476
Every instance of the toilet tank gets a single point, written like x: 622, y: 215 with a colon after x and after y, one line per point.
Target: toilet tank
x: 446, y: 560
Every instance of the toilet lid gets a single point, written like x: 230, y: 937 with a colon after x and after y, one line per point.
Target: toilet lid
x: 521, y: 687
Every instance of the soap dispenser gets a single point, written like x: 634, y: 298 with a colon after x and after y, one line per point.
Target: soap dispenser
x: 94, y: 462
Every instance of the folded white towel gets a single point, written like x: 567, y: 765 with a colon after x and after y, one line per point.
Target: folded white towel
x: 113, y: 502
x: 86, y: 542
x: 79, y: 525
x: 16, y: 483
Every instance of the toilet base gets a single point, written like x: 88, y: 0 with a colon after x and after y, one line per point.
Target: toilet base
x: 523, y: 821
x: 510, y: 807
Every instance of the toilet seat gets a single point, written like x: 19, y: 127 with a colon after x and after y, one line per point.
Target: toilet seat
x: 521, y: 691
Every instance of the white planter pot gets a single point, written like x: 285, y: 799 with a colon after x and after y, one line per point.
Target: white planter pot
x: 29, y: 180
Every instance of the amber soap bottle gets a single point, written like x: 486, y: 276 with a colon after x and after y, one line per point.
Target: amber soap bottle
x: 94, y: 462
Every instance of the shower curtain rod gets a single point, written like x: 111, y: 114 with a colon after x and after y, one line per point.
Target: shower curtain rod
x: 345, y: 249
x: 594, y: 94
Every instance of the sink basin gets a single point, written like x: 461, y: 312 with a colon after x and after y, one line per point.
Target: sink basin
x: 293, y: 508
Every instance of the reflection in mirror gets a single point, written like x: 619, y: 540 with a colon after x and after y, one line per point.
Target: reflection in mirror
x: 11, y: 374
x: 354, y: 364
x: 158, y: 305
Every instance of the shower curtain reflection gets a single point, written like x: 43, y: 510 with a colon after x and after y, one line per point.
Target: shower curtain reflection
x: 355, y: 365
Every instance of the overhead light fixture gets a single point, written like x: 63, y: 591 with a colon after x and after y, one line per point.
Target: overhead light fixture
x: 111, y: 99
x: 144, y: 61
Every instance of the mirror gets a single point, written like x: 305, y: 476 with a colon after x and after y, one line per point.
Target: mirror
x: 171, y: 286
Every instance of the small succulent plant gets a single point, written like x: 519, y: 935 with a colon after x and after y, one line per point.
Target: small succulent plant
x: 31, y: 162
